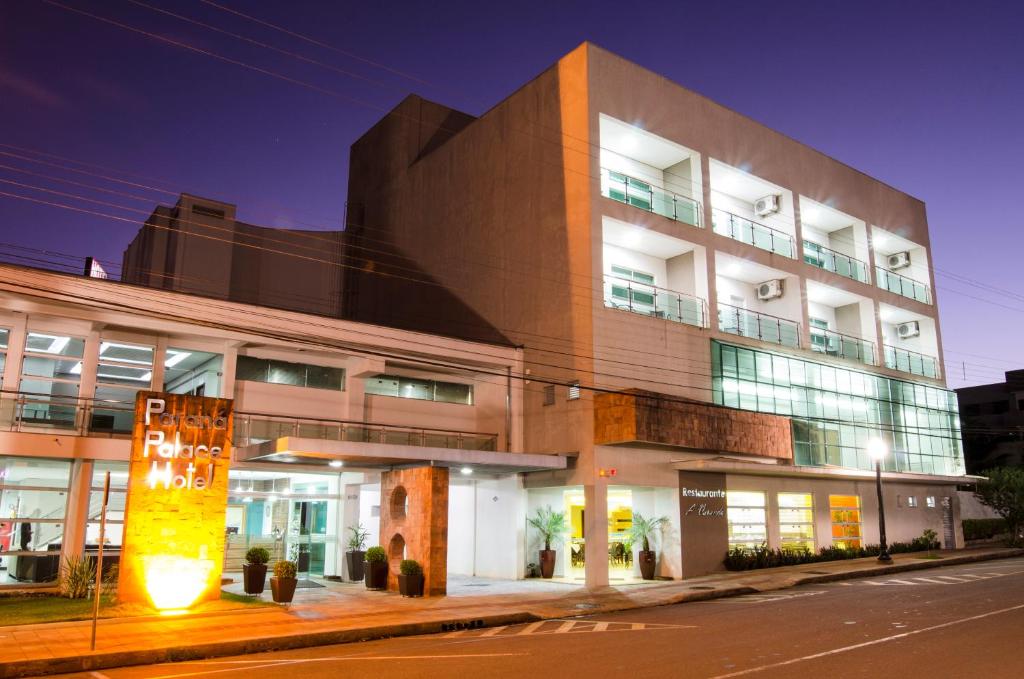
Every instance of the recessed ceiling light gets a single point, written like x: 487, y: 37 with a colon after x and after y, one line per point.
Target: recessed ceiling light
x: 336, y: 463
x: 466, y: 471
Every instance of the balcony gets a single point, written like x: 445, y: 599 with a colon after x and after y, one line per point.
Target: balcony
x: 760, y: 236
x: 901, y: 285
x: 638, y: 193
x: 754, y: 325
x: 650, y: 300
x: 836, y: 262
x: 35, y: 412
x: 842, y: 346
x: 911, y: 362
x: 253, y: 428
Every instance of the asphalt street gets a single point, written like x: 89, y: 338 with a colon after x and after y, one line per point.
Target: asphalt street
x: 957, y: 621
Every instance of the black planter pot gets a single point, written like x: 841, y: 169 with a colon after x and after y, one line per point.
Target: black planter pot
x: 648, y: 560
x: 547, y: 563
x: 376, y: 576
x: 254, y: 576
x: 411, y: 585
x: 283, y: 589
x: 355, y: 560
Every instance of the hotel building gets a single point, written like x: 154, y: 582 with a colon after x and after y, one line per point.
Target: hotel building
x: 720, y: 307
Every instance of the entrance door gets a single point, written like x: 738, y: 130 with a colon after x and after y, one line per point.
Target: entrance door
x: 308, y: 535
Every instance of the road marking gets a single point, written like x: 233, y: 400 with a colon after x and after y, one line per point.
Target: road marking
x: 531, y: 627
x: 939, y: 579
x: 494, y: 630
x: 873, y: 642
x: 565, y: 627
x: 297, y: 661
x: 763, y: 598
x: 560, y: 627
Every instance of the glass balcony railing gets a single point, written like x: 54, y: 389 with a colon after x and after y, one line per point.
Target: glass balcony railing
x: 911, y: 362
x: 842, y: 346
x: 650, y: 300
x: 646, y: 196
x: 836, y: 262
x: 760, y: 236
x: 901, y: 285
x: 764, y: 327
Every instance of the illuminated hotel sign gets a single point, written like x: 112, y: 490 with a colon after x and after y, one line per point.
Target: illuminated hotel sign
x: 177, y: 500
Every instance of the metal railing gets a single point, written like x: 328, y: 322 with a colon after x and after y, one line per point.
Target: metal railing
x: 836, y: 262
x: 764, y: 327
x: 839, y: 345
x: 28, y: 412
x: 753, y: 233
x: 911, y: 362
x: 901, y: 285
x: 644, y: 195
x: 650, y: 300
x: 253, y: 428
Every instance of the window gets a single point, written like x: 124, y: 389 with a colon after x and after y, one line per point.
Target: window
x: 34, y: 495
x: 930, y: 501
x: 796, y: 521
x: 420, y: 389
x: 196, y: 373
x: 846, y: 519
x: 294, y: 374
x: 747, y: 519
x: 4, y: 335
x: 122, y: 371
x: 911, y: 501
x: 574, y: 391
x: 549, y: 394
x: 819, y: 338
x: 50, y: 375
x: 628, y: 295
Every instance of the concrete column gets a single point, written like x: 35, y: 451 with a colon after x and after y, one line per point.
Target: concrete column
x: 712, y: 296
x: 227, y: 370
x: 356, y: 373
x: 87, y: 383
x: 595, y: 528
x: 159, y: 358
x: 349, y: 519
x: 77, y: 515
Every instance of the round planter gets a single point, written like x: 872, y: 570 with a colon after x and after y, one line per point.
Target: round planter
x: 283, y: 589
x: 648, y: 560
x: 376, y: 576
x: 547, y: 563
x: 410, y: 585
x: 354, y: 560
x: 254, y: 577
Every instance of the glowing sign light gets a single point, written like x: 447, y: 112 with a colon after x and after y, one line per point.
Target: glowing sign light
x: 176, y: 506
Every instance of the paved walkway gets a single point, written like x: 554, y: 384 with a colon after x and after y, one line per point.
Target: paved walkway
x: 343, y: 612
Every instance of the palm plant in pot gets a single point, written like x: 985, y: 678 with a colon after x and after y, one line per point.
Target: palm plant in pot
x: 254, y: 570
x: 410, y: 578
x: 355, y: 555
x: 282, y: 584
x: 376, y: 576
x: 643, y: 531
x: 551, y: 526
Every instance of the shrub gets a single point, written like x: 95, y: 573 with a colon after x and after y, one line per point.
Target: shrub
x: 76, y: 577
x: 410, y: 567
x: 761, y: 556
x: 284, y: 569
x: 376, y: 555
x: 257, y: 556
x: 357, y: 537
x: 983, y: 529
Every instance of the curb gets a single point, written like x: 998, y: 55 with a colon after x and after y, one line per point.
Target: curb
x: 904, y: 567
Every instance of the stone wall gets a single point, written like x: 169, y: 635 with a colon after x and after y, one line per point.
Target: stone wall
x: 414, y: 521
x: 647, y: 417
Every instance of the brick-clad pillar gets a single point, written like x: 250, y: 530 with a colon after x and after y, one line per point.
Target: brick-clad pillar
x: 414, y: 521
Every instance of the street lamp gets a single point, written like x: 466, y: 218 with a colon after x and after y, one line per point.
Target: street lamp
x: 877, y: 449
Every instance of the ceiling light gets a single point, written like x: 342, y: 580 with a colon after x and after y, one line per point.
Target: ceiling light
x: 175, y: 357
x: 336, y: 463
x: 466, y: 471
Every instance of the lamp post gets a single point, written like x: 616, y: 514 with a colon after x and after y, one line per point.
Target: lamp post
x: 876, y: 451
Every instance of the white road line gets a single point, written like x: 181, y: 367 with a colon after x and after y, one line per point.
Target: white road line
x: 952, y: 577
x: 565, y: 627
x: 297, y: 661
x: 901, y: 582
x: 873, y: 642
x: 934, y: 582
x: 529, y: 628
x: 494, y: 630
x: 601, y: 627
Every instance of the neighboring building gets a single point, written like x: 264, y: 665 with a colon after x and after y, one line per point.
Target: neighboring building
x: 992, y: 417
x: 324, y: 411
x: 706, y: 307
x: 197, y: 246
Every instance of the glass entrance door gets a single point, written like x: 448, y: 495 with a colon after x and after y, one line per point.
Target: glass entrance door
x: 307, y: 536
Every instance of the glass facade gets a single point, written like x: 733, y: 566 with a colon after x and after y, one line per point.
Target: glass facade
x: 836, y: 410
x: 294, y: 374
x: 122, y: 371
x: 747, y: 519
x: 796, y: 521
x: 424, y: 390
x: 846, y: 519
x: 50, y: 375
x: 33, y: 496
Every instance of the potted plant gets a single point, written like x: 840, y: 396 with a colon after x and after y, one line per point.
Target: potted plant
x: 376, y: 576
x: 254, y: 570
x: 410, y: 578
x: 551, y: 526
x: 643, y: 530
x: 355, y: 555
x: 282, y: 585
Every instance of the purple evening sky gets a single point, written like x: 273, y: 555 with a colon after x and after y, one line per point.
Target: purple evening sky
x: 926, y: 96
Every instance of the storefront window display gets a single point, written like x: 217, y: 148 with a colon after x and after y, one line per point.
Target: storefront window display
x: 796, y: 521
x: 33, y: 504
x: 747, y: 519
x: 846, y: 520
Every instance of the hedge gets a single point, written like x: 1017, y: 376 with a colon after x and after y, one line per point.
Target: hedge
x: 983, y: 529
x: 740, y: 559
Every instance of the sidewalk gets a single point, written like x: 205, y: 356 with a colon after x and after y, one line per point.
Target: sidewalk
x: 348, y: 612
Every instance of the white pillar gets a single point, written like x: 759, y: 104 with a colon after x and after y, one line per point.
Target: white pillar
x: 595, y: 528
x: 77, y: 515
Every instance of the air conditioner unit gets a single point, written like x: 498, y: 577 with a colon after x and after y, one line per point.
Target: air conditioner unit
x: 767, y: 205
x: 899, y: 260
x: 908, y: 330
x: 769, y: 289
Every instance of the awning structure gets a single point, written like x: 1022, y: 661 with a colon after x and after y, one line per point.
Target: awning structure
x: 735, y: 466
x: 381, y: 456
